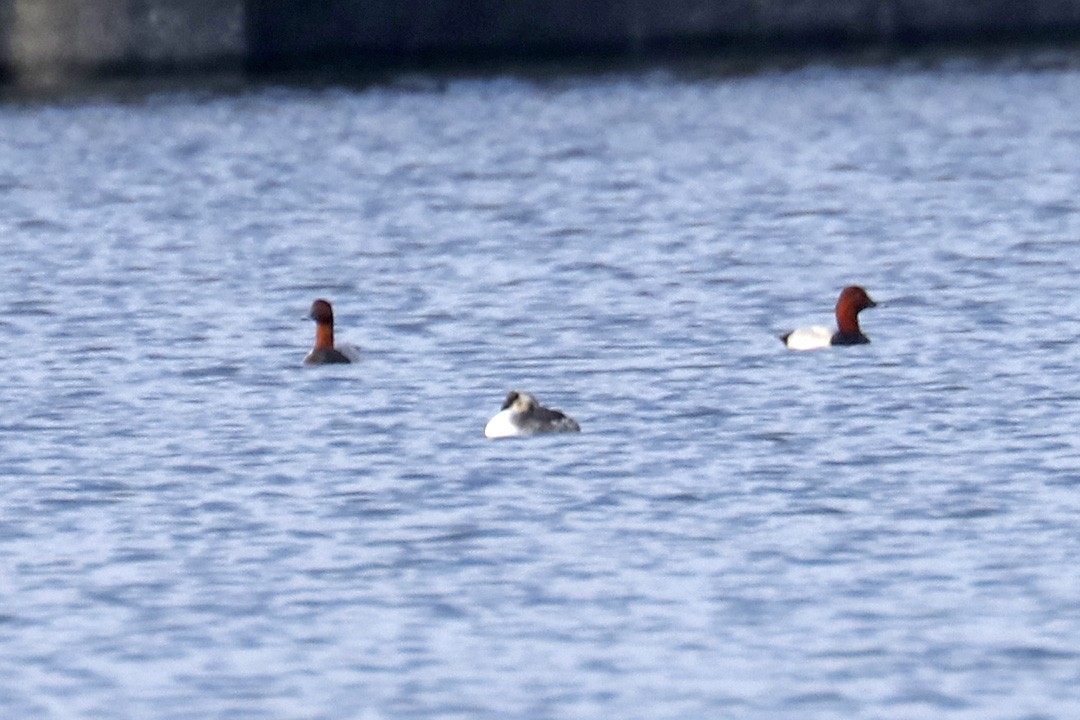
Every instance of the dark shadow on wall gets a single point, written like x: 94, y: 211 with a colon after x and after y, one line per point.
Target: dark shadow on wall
x: 7, y: 22
x: 293, y: 34
x: 288, y: 33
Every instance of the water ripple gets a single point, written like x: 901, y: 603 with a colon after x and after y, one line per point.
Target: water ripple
x: 196, y: 525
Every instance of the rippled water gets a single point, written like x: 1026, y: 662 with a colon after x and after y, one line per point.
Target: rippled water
x: 196, y: 525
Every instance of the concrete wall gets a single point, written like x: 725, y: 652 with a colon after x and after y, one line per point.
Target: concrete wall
x: 46, y: 42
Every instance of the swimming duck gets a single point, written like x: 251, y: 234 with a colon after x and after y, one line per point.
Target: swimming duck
x: 853, y: 300
x: 522, y: 415
x: 324, y: 352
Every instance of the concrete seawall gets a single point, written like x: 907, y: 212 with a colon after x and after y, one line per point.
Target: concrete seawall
x: 50, y: 42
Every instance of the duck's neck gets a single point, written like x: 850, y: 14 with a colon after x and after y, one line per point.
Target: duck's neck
x: 847, y: 320
x: 324, y: 336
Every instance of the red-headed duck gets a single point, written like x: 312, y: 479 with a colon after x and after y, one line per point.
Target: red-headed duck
x: 521, y: 415
x: 324, y: 352
x: 852, y: 301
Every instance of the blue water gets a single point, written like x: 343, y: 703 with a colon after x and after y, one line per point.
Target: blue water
x: 195, y: 525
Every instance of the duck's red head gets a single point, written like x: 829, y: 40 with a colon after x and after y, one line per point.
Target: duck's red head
x: 323, y: 315
x: 852, y: 301
x: 321, y: 312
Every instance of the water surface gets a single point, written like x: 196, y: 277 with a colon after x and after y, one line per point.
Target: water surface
x: 196, y: 525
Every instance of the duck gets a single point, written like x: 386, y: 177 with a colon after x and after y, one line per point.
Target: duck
x: 324, y: 352
x: 521, y: 415
x: 853, y: 300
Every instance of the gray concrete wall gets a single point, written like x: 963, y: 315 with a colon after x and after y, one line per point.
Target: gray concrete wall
x: 56, y: 41
x: 47, y: 42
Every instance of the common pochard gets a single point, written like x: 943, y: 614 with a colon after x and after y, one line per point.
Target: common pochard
x: 853, y: 300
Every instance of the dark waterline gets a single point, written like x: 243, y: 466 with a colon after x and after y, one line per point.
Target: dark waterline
x: 429, y: 73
